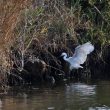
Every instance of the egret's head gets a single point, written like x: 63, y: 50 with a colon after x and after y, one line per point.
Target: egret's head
x: 63, y: 54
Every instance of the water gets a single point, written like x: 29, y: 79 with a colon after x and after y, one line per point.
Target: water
x: 72, y: 96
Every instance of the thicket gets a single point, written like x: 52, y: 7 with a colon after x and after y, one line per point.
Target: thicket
x: 46, y: 28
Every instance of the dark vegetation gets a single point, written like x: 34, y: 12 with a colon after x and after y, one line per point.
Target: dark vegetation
x: 31, y: 45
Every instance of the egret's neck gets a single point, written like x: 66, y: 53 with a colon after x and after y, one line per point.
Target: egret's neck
x: 65, y: 57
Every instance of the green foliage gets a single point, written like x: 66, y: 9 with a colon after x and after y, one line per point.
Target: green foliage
x: 97, y: 12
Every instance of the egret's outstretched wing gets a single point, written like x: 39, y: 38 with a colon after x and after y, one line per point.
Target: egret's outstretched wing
x: 81, y: 53
x: 86, y: 48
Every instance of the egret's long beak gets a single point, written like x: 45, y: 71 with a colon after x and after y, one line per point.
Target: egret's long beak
x: 61, y: 55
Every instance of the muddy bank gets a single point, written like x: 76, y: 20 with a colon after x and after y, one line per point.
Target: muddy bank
x: 48, y: 66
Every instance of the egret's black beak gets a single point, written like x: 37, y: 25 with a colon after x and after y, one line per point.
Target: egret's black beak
x: 61, y: 55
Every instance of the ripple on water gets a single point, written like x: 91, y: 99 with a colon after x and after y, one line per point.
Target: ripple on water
x: 99, y: 108
x: 81, y: 89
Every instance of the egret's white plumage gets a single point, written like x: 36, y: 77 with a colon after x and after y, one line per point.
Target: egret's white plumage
x: 79, y: 56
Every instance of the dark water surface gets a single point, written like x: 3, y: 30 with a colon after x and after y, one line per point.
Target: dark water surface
x: 71, y: 96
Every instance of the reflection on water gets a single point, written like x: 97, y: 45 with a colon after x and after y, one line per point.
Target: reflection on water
x: 81, y: 89
x: 99, y: 108
x: 74, y: 96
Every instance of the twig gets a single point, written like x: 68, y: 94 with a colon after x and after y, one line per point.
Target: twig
x: 98, y: 11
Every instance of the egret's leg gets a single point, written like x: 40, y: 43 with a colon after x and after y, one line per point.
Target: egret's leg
x: 69, y: 74
x: 72, y: 73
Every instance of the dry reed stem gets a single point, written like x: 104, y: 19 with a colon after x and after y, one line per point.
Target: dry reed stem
x: 10, y: 11
x: 9, y: 16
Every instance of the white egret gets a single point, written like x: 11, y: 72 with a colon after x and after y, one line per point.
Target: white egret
x: 79, y: 56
